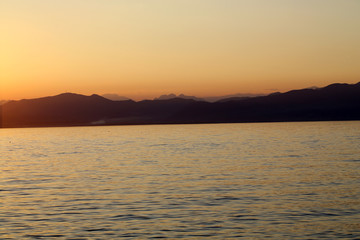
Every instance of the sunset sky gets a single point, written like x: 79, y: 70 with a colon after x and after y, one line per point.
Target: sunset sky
x: 145, y: 48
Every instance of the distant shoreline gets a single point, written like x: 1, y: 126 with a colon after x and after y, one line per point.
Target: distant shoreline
x: 159, y: 124
x: 336, y: 102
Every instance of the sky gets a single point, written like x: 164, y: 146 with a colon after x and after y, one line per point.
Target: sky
x: 145, y: 48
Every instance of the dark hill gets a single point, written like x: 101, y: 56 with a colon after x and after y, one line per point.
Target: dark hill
x: 70, y: 109
x: 334, y: 102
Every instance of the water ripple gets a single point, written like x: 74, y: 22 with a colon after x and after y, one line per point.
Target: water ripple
x: 225, y: 181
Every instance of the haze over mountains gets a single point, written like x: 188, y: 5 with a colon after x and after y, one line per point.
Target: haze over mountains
x: 116, y: 97
x: 208, y: 99
x: 334, y: 102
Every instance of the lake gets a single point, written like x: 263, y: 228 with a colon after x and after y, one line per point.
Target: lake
x: 212, y: 181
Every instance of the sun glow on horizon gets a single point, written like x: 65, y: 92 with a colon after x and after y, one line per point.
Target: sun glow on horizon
x: 142, y: 49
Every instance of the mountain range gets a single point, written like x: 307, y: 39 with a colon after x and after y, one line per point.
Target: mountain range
x: 116, y: 97
x: 331, y: 103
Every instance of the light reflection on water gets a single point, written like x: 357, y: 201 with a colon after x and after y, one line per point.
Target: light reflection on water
x: 224, y: 181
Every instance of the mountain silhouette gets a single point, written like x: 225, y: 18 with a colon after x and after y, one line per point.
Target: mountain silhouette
x: 114, y: 97
x: 208, y: 99
x: 171, y: 96
x: 234, y: 96
x: 334, y: 102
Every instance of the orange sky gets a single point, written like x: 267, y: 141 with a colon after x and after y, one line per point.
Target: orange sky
x: 145, y: 48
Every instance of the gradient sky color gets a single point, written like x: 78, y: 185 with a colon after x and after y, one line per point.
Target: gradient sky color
x: 144, y: 48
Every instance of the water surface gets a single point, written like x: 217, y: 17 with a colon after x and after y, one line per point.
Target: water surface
x: 215, y: 181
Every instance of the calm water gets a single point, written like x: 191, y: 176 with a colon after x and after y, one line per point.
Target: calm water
x: 225, y: 181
